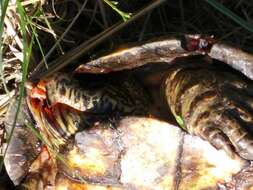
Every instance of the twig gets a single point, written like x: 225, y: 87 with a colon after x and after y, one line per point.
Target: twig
x: 66, y: 59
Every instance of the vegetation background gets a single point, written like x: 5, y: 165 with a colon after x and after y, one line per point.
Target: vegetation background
x: 40, y: 32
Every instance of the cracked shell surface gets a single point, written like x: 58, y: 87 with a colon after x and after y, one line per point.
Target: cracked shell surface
x: 142, y: 153
x: 119, y: 160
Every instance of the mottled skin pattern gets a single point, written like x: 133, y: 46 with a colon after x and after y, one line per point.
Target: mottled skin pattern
x: 122, y: 96
x: 213, y: 103
x: 70, y: 105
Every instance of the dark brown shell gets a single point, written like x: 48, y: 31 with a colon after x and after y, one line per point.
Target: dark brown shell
x: 24, y: 145
x: 142, y: 153
x: 115, y: 158
x: 166, y: 51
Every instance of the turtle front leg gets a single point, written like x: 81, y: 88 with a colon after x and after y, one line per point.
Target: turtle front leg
x: 214, y: 103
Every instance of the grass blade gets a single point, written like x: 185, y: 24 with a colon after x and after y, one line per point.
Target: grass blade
x: 26, y: 56
x: 125, y: 16
x: 231, y: 15
x: 3, y: 9
x: 67, y: 58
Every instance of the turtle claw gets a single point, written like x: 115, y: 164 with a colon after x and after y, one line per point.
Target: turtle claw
x: 247, y: 153
x: 244, y: 147
x: 218, y: 139
x: 225, y: 132
x: 230, y: 143
x: 228, y: 135
x: 238, y: 135
x: 214, y: 104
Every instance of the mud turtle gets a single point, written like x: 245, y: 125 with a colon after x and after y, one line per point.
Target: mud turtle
x: 91, y: 138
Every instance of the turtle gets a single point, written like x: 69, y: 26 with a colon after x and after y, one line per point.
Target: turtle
x: 182, y: 77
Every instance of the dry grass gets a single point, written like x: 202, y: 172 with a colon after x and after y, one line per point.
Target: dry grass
x: 60, y: 26
x: 41, y: 31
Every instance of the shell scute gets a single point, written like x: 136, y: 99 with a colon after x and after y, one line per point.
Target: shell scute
x: 197, y: 95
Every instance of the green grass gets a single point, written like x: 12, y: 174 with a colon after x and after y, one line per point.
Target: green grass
x: 3, y: 8
x: 246, y: 25
x: 27, y: 45
x: 25, y: 23
x: 113, y: 4
x: 53, y: 151
x: 188, y: 22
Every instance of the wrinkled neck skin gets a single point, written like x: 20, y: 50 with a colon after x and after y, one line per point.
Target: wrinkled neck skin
x: 56, y: 123
x: 56, y: 104
x: 61, y: 88
x: 60, y: 100
x: 61, y: 106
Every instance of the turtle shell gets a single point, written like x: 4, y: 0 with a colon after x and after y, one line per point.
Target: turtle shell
x: 91, y: 142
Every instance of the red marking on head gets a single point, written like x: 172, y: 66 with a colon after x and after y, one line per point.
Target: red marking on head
x: 39, y: 91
